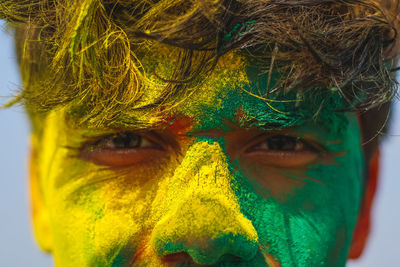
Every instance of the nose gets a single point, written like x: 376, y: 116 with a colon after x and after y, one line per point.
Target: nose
x: 203, y: 217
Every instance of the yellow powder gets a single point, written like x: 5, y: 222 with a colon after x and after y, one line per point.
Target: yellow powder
x: 197, y: 204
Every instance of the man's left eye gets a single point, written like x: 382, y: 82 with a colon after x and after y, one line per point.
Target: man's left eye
x: 282, y: 143
x: 284, y: 151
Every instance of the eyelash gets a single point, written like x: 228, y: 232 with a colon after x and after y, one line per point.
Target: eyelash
x: 122, y: 141
x: 271, y: 151
x: 129, y: 140
x: 124, y: 149
x: 284, y: 143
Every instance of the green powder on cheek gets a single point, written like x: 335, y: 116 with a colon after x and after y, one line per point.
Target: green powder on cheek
x: 314, y: 226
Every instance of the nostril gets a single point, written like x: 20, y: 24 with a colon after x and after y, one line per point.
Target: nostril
x: 179, y: 258
x: 176, y: 258
x: 184, y: 258
x: 229, y: 258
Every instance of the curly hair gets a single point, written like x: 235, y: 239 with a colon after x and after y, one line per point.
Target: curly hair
x: 92, y: 52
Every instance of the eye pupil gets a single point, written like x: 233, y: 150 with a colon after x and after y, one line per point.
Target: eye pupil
x: 282, y: 143
x: 126, y: 140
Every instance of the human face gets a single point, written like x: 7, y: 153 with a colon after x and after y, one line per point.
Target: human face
x: 227, y: 179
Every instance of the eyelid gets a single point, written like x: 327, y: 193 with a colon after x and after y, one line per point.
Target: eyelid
x: 152, y: 137
x: 312, y: 147
x: 124, y: 157
x: 311, y: 143
x: 312, y: 152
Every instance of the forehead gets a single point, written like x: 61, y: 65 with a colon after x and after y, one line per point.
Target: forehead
x: 236, y: 91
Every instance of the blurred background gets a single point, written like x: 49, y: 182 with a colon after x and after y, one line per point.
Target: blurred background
x: 18, y: 248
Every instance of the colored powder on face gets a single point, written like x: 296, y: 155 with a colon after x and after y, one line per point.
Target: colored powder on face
x: 314, y: 226
x: 98, y: 216
x: 201, y: 215
x: 239, y: 87
x: 199, y: 202
x: 298, y: 237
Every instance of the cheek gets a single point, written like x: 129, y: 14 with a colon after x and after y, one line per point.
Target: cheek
x: 102, y: 217
x: 304, y: 216
x: 273, y: 182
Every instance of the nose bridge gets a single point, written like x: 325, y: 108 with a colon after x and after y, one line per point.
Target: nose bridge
x: 203, y: 216
x: 205, y: 168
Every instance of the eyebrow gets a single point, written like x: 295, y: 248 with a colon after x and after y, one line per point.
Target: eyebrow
x: 270, y: 120
x: 261, y: 123
x: 149, y: 119
x: 153, y: 119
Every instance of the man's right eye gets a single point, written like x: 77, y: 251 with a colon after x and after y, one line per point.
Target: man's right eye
x: 124, y: 140
x: 122, y: 149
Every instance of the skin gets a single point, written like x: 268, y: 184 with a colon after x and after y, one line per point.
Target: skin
x: 217, y: 183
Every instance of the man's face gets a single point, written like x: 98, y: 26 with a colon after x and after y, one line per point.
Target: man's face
x: 228, y: 178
